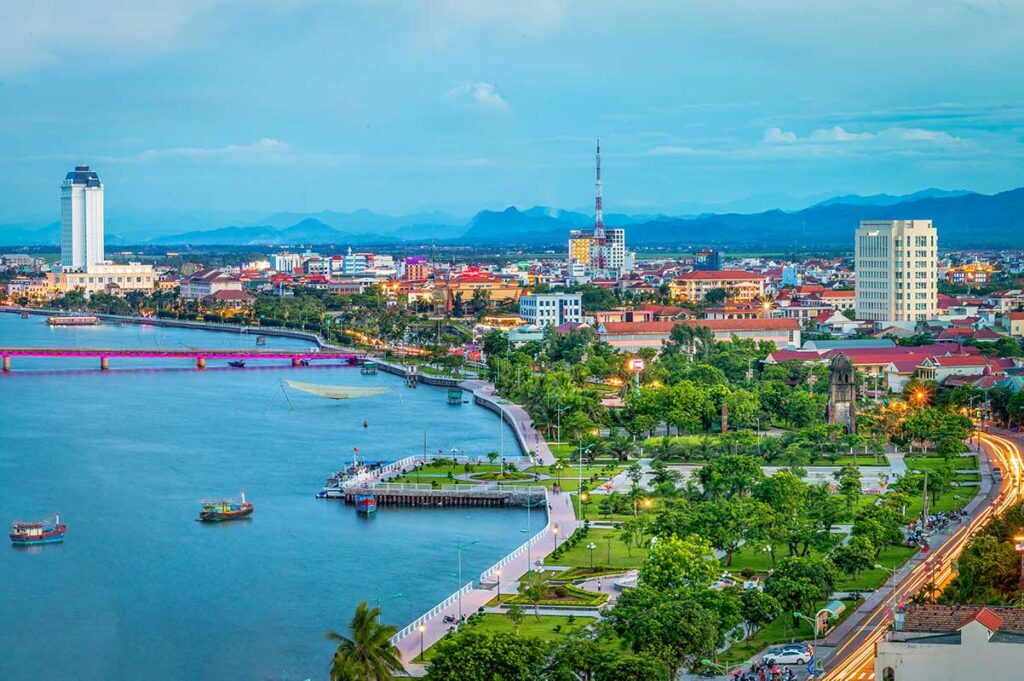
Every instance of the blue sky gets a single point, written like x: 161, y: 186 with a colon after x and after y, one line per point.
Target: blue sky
x: 407, y: 105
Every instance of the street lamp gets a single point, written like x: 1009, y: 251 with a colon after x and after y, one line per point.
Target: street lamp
x: 892, y: 600
x: 497, y: 573
x: 593, y: 546
x: 1018, y: 544
x: 458, y: 549
x: 554, y: 534
x: 382, y: 601
x: 813, y: 622
x: 584, y: 499
x: 422, y: 628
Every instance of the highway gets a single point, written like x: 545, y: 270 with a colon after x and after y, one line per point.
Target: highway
x: 853, y: 659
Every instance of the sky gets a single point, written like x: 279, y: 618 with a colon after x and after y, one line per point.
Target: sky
x: 456, y: 105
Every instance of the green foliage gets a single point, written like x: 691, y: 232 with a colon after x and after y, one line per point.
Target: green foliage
x: 366, y: 654
x: 676, y: 563
x: 479, y: 656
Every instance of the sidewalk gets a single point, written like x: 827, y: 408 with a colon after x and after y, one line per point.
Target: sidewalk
x: 562, y: 515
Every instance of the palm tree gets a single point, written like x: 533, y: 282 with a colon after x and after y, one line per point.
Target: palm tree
x: 368, y: 655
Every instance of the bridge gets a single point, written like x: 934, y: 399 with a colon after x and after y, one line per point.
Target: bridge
x: 200, y: 355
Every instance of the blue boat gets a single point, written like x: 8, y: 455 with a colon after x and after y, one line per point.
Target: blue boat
x: 366, y: 503
x: 38, y: 532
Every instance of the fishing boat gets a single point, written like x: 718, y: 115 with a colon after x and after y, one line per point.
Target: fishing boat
x: 261, y: 340
x: 368, y: 368
x: 455, y: 396
x: 217, y: 510
x: 237, y: 363
x: 366, y: 503
x: 25, y: 315
x: 38, y: 532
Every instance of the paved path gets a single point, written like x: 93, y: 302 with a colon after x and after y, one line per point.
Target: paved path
x: 529, y: 437
x: 562, y: 516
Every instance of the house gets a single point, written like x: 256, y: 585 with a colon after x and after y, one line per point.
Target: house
x: 205, y: 283
x: 632, y: 336
x: 741, y: 286
x: 952, y: 642
x: 1015, y: 320
x: 228, y: 298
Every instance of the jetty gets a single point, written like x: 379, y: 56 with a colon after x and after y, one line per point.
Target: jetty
x: 199, y: 355
x: 421, y: 494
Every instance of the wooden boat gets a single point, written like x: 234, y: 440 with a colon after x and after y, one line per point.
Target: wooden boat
x: 261, y: 340
x: 237, y: 363
x: 38, y: 532
x: 218, y: 510
x: 366, y: 503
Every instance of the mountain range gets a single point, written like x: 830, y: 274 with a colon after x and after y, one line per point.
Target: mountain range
x: 964, y: 219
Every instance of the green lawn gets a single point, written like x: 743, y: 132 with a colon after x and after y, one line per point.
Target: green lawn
x: 564, y: 595
x: 620, y: 556
x: 862, y: 460
x: 548, y: 628
x: 593, y: 476
x: 953, y: 500
x: 933, y: 463
x: 754, y: 556
x: 870, y: 580
x: 779, y: 631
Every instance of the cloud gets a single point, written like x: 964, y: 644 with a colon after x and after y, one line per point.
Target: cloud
x: 267, y: 146
x: 483, y: 94
x: 838, y: 134
x: 438, y: 23
x: 779, y: 136
x: 674, y: 150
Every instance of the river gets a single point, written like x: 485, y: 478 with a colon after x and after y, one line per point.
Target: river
x: 139, y: 589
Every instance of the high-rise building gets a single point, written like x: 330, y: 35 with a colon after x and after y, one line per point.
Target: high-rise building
x: 707, y: 259
x: 81, y: 219
x: 896, y: 265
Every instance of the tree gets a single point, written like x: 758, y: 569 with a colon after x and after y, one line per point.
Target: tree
x: 848, y: 478
x: 515, y: 615
x: 1015, y: 409
x: 676, y: 563
x: 668, y: 624
x: 632, y: 668
x: 367, y: 653
x: 661, y: 474
x: 798, y: 582
x: 855, y: 556
x: 477, y: 656
x: 730, y: 475
x: 577, y: 658
x: 534, y: 588
x: 758, y: 609
x: 717, y: 296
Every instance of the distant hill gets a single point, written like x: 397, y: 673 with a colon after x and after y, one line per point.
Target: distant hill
x: 964, y: 219
x: 890, y: 199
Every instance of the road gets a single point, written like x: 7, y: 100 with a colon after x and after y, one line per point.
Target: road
x: 853, y: 659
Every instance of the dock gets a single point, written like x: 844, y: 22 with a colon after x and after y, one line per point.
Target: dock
x: 420, y: 494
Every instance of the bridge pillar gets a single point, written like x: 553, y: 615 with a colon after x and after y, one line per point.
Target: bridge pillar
x: 295, y: 361
x: 104, y: 363
x: 200, y: 362
x: 7, y: 363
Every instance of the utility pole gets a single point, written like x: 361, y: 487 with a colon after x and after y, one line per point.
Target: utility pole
x: 924, y: 504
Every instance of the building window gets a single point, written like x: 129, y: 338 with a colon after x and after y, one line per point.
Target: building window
x: 888, y: 674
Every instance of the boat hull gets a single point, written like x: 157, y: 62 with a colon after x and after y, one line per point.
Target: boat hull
x: 52, y: 537
x: 221, y: 516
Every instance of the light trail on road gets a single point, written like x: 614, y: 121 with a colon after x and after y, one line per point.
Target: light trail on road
x: 854, y: 659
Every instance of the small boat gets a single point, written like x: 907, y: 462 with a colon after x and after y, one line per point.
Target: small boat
x: 237, y: 363
x: 261, y: 340
x: 39, y: 532
x: 368, y: 369
x: 25, y: 315
x: 215, y: 511
x: 366, y: 503
x: 455, y: 396
x: 303, y: 362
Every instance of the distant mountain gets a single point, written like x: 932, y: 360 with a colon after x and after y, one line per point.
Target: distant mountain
x: 364, y: 221
x: 967, y: 220
x: 29, y: 234
x: 305, y: 232
x: 890, y: 199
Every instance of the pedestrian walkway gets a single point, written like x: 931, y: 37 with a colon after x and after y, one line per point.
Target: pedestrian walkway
x: 561, y: 516
x: 529, y: 437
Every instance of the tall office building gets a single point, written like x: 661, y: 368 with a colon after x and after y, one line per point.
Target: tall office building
x: 896, y: 264
x: 599, y: 252
x: 81, y: 220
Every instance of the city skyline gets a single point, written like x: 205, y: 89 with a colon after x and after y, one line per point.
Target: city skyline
x: 710, y: 104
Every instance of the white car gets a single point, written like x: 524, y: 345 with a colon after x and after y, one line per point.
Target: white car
x: 786, y: 655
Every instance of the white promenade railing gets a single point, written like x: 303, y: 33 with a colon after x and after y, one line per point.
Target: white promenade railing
x: 489, y: 572
x: 432, y: 613
x: 534, y: 490
x: 409, y: 462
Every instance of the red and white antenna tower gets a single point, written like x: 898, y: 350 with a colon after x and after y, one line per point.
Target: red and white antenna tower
x: 598, y: 208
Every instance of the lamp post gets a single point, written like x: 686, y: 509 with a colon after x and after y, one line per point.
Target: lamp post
x: 593, y: 546
x: 458, y: 550
x: 813, y: 622
x: 584, y: 500
x: 381, y: 601
x: 1018, y: 544
x: 422, y: 628
x: 892, y: 597
x: 554, y: 535
x: 497, y: 573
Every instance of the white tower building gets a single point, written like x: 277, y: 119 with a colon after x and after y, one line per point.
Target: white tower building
x: 81, y: 220
x: 896, y: 263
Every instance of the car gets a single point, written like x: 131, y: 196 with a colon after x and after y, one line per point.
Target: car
x: 786, y: 655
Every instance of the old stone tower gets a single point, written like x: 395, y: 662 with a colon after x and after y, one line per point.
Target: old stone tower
x: 842, y: 393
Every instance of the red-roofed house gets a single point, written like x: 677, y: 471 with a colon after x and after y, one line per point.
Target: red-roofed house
x: 785, y: 333
x: 1016, y: 323
x: 742, y: 286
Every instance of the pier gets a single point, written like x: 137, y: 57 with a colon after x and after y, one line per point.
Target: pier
x: 199, y: 355
x: 420, y: 494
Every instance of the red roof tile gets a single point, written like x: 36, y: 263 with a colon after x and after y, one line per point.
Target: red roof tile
x: 720, y: 275
x: 713, y: 324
